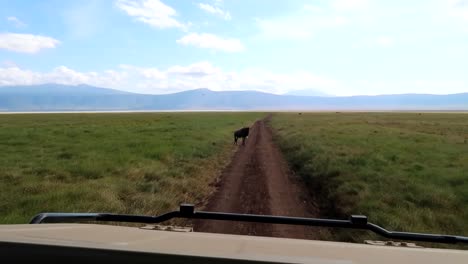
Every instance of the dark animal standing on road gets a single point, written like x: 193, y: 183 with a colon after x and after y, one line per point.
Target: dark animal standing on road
x: 241, y: 133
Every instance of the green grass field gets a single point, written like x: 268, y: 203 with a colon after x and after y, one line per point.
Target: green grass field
x: 405, y: 171
x: 139, y: 163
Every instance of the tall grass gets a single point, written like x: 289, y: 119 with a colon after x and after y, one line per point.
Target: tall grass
x: 405, y: 171
x: 139, y: 163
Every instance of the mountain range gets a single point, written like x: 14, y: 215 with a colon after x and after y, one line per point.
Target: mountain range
x: 56, y: 97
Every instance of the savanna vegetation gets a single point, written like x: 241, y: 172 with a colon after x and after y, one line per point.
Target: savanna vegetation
x: 405, y: 171
x: 138, y: 163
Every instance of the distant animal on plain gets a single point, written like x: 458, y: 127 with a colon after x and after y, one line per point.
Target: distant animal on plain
x: 241, y: 133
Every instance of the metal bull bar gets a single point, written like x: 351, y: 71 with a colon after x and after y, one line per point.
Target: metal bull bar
x: 188, y: 211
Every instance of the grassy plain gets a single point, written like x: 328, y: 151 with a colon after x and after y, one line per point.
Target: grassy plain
x: 405, y: 171
x: 139, y: 163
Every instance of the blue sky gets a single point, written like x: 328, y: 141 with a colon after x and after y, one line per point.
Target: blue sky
x: 336, y: 47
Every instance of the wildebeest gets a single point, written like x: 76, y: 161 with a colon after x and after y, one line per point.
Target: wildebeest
x: 241, y: 133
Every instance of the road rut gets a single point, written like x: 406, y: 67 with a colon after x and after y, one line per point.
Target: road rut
x: 258, y: 181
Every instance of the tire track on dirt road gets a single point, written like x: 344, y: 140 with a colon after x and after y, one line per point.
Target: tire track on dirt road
x: 258, y: 181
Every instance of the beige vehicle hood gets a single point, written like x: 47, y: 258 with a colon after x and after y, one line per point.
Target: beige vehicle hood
x: 132, y: 243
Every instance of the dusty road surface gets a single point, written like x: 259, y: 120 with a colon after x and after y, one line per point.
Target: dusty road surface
x: 257, y: 181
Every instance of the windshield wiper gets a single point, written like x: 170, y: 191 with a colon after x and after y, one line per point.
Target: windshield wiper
x: 188, y: 211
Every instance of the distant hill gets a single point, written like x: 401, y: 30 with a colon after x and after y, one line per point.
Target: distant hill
x: 307, y: 92
x: 54, y: 97
x: 57, y: 89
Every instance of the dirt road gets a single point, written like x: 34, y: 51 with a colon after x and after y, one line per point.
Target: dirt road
x: 257, y: 181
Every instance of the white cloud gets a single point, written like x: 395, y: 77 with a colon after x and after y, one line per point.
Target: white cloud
x: 215, y: 10
x: 199, y: 69
x: 16, y: 22
x: 460, y: 3
x: 172, y: 79
x: 152, y: 73
x: 17, y: 76
x: 210, y: 41
x: 385, y: 41
x: 26, y: 43
x: 280, y: 83
x: 431, y: 85
x: 151, y: 12
x: 344, y: 5
x: 85, y: 19
x: 61, y: 75
x: 206, y: 75
x: 301, y: 24
x: 459, y: 8
x: 382, y: 41
x: 8, y: 64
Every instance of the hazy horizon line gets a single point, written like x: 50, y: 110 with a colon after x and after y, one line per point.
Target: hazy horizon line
x: 246, y: 90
